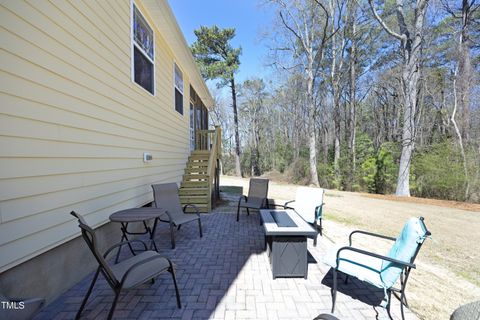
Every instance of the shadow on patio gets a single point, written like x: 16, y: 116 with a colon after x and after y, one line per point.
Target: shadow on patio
x: 224, y: 275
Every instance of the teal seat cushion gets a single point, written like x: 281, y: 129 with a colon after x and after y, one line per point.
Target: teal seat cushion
x: 413, y: 233
x: 359, y: 265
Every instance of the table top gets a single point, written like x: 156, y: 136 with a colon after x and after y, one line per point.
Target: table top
x: 136, y: 214
x: 271, y: 227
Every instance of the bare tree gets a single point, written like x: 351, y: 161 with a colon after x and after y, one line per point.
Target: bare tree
x: 352, y: 129
x: 461, y: 82
x: 252, y: 105
x: 411, y: 39
x: 307, y: 25
x: 338, y: 41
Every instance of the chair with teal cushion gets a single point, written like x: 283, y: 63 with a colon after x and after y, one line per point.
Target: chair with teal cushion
x: 308, y: 204
x: 378, y: 270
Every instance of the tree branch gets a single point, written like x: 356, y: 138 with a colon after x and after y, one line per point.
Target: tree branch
x: 384, y: 25
x: 401, y: 17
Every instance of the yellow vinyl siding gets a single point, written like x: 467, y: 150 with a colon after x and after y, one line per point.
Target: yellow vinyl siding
x: 73, y: 125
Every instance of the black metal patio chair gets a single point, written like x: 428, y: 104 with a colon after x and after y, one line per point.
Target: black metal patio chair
x: 379, y: 270
x: 127, y: 274
x: 257, y: 196
x: 166, y: 197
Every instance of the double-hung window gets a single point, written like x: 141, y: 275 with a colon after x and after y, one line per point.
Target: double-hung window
x: 143, y: 53
x: 178, y: 86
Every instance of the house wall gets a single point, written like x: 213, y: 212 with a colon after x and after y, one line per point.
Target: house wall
x: 73, y: 125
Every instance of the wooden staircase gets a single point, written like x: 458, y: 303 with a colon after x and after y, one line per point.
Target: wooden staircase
x: 200, y: 185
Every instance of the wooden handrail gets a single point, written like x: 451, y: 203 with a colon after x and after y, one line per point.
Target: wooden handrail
x: 215, y: 153
x: 204, y: 139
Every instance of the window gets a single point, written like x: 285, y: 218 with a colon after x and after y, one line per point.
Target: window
x: 143, y: 55
x: 178, y: 84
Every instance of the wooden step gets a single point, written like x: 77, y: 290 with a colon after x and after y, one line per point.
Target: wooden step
x: 193, y: 192
x: 201, y: 157
x: 193, y: 199
x: 201, y: 152
x: 202, y: 170
x: 197, y: 165
x: 190, y: 177
x: 194, y: 184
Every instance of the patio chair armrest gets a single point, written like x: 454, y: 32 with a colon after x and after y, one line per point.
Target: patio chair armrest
x: 122, y: 244
x: 193, y: 206
x: 140, y: 263
x: 319, y: 211
x: 170, y: 220
x: 240, y: 199
x: 375, y: 255
x: 276, y: 205
x: 285, y: 205
x: 369, y: 234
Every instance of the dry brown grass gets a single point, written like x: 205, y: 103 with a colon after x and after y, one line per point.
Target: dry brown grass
x: 475, y: 207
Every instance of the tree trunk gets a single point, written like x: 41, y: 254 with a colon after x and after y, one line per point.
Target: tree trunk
x: 464, y: 71
x: 255, y: 156
x: 335, y: 78
x: 462, y: 77
x: 312, y: 142
x: 411, y: 44
x: 353, y: 85
x: 238, y: 169
x: 410, y: 80
x: 325, y: 145
x: 337, y: 132
x: 457, y: 131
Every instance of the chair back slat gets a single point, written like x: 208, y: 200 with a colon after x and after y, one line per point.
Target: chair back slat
x: 166, y: 197
x: 258, y: 188
x: 90, y: 238
x: 405, y: 248
x: 307, y: 200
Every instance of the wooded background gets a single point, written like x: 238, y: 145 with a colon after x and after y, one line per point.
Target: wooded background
x: 377, y: 96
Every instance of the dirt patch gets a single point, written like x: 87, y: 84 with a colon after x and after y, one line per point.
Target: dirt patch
x: 475, y: 207
x: 447, y: 273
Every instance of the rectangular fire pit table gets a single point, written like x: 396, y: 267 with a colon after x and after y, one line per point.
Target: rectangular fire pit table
x: 286, y: 240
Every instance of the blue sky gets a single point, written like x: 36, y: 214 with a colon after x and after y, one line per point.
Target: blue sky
x: 246, y: 16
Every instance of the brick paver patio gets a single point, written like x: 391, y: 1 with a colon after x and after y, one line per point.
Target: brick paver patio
x: 226, y: 275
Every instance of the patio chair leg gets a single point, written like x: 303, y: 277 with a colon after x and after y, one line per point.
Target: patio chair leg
x: 178, y: 228
x: 114, y: 304
x: 172, y: 235
x: 248, y: 212
x: 172, y: 272
x: 315, y: 241
x: 389, y: 292
x: 84, y: 302
x: 401, y: 304
x: 346, y: 278
x: 403, y: 283
x: 334, y: 291
x: 238, y: 212
x: 200, y: 228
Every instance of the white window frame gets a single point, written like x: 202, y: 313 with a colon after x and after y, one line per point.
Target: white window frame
x: 182, y: 91
x: 135, y: 45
